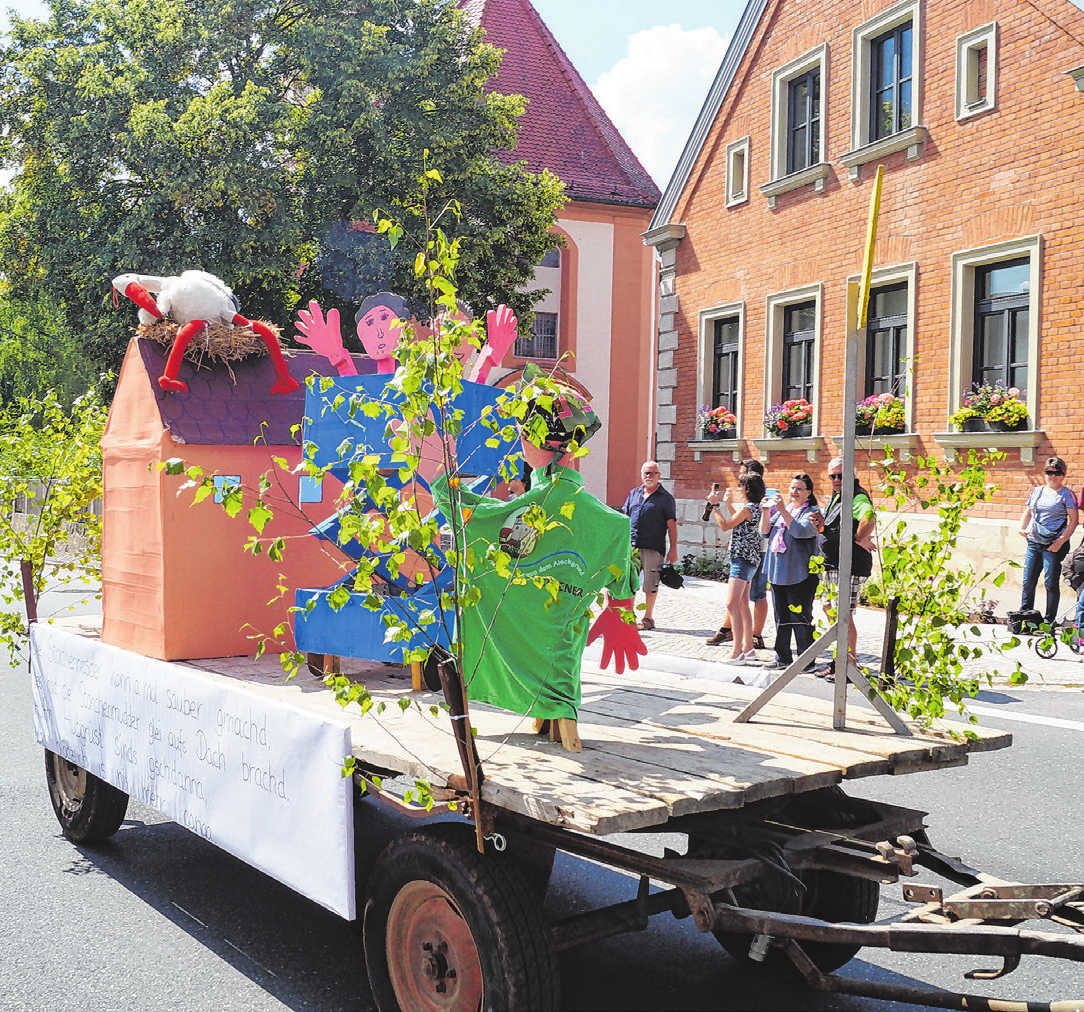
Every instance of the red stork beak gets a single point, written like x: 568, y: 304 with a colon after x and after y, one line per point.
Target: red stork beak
x: 142, y: 298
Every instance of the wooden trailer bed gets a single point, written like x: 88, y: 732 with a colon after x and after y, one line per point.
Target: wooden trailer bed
x: 655, y: 745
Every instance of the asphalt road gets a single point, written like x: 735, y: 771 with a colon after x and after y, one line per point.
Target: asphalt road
x: 156, y: 918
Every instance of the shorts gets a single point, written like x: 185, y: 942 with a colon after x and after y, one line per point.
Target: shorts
x: 758, y: 586
x: 650, y: 566
x: 831, y: 578
x: 740, y: 569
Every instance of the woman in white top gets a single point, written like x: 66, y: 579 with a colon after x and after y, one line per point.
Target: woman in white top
x: 744, y: 521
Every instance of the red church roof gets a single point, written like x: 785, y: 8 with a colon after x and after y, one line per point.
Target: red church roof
x: 564, y: 128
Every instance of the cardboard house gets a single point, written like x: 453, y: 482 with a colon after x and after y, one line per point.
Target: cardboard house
x: 177, y: 581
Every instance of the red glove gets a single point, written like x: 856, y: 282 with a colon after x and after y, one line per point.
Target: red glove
x: 620, y: 640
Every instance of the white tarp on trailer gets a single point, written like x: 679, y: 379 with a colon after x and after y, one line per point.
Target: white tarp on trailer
x: 259, y: 779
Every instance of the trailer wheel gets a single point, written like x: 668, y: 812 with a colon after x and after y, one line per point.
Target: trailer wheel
x: 87, y: 808
x: 829, y: 896
x: 448, y: 929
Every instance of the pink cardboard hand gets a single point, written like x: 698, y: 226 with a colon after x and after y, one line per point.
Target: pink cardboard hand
x: 620, y: 640
x: 325, y: 337
x: 501, y: 329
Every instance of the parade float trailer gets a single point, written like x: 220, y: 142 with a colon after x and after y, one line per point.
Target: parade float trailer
x: 779, y: 863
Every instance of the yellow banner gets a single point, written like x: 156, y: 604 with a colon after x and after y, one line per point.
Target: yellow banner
x: 871, y: 242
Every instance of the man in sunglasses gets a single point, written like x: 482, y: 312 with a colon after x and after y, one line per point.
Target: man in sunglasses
x: 863, y: 523
x: 652, y: 512
x: 1049, y: 518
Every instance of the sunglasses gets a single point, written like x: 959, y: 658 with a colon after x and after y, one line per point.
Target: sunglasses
x: 1054, y: 471
x: 836, y: 477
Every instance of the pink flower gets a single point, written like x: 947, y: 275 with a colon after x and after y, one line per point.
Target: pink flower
x: 995, y: 398
x: 783, y: 426
x: 1014, y: 392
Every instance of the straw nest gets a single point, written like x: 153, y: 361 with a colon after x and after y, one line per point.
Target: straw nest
x: 219, y: 342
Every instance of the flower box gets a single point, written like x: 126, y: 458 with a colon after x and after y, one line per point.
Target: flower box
x: 789, y: 420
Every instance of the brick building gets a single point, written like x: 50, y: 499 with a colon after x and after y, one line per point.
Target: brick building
x: 972, y: 107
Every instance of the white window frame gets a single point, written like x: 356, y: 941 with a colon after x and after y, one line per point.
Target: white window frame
x: 967, y: 49
x: 882, y: 276
x: 737, y: 172
x: 962, y: 318
x: 706, y: 361
x: 775, y: 306
x: 781, y: 182
x: 862, y: 149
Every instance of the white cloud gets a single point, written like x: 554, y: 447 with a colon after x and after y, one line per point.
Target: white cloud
x: 653, y: 94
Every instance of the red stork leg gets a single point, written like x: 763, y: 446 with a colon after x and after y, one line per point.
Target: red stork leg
x: 284, y: 382
x: 142, y: 298
x: 168, y: 380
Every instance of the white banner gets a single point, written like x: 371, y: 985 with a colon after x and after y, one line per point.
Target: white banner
x: 255, y: 777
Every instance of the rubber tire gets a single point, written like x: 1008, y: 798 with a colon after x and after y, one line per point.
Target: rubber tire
x: 88, y: 809
x: 829, y: 896
x: 507, y: 931
x: 1046, y: 646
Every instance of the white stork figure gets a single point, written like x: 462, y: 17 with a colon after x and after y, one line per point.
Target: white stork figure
x: 194, y: 300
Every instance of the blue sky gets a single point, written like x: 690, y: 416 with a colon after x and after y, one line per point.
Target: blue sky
x: 649, y: 64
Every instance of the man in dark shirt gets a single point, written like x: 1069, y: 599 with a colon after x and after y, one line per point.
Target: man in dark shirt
x: 653, y: 515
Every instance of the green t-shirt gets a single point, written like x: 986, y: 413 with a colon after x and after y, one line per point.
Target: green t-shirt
x: 523, y: 648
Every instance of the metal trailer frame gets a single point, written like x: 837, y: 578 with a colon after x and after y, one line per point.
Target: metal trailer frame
x: 979, y: 920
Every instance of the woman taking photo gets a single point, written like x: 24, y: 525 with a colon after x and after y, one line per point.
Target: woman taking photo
x: 791, y: 527
x: 744, y: 559
x: 1049, y: 517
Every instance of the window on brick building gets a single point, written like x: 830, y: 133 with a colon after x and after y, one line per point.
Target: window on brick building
x: 803, y: 120
x: 891, y: 82
x: 886, y: 341
x: 724, y: 371
x: 720, y: 332
x: 994, y: 332
x: 1002, y: 323
x: 737, y: 172
x: 976, y: 71
x: 799, y: 346
x: 797, y: 142
x: 543, y: 340
x: 886, y: 86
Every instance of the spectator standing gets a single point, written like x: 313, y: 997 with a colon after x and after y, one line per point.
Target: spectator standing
x: 758, y: 586
x: 653, y: 515
x: 791, y: 527
x: 745, y: 558
x: 1049, y: 518
x: 863, y: 524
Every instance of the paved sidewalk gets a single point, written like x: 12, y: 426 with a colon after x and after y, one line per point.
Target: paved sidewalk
x: 685, y: 618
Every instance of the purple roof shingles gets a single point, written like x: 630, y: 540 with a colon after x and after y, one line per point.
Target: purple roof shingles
x: 221, y: 409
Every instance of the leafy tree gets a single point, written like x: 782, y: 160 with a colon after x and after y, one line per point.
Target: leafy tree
x: 936, y: 595
x: 233, y: 137
x: 38, y: 353
x: 52, y: 474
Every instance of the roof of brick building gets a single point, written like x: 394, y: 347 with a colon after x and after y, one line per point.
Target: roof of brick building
x: 564, y: 128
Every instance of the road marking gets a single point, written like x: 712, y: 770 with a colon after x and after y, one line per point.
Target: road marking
x: 1027, y: 718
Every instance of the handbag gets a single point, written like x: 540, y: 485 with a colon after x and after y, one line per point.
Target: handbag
x: 1040, y: 534
x: 670, y: 577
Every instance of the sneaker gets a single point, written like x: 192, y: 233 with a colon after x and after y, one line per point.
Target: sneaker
x: 777, y: 665
x: 758, y: 642
x: 750, y: 657
x: 721, y: 637
x: 646, y: 623
x: 740, y: 659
